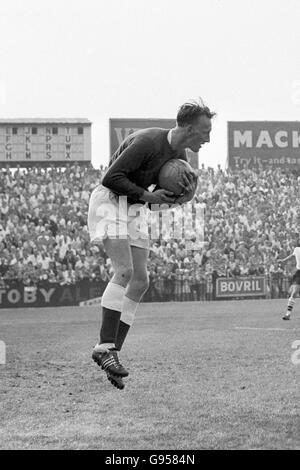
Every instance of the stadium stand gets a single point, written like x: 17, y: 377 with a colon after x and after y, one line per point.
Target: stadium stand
x: 251, y: 217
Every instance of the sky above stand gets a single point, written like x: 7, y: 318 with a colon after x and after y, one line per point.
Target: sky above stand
x: 102, y: 59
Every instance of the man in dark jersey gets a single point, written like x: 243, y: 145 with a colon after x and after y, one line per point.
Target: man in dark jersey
x: 113, y: 221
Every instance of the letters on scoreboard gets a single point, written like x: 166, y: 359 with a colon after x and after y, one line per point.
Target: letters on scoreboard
x: 253, y: 286
x: 44, y: 142
x: 263, y: 143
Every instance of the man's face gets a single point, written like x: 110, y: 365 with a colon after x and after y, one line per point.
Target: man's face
x: 198, y: 133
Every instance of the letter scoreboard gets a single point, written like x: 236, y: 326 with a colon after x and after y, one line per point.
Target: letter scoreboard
x: 263, y: 144
x: 119, y: 129
x: 29, y: 142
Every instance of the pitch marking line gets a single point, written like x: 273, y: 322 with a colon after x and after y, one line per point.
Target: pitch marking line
x: 265, y: 329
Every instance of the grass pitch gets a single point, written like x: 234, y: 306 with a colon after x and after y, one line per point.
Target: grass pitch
x: 207, y: 375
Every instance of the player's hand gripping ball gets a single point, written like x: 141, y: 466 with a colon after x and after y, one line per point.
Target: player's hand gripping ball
x: 179, y: 177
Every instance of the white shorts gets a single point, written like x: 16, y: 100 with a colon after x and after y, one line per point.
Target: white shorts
x: 110, y: 216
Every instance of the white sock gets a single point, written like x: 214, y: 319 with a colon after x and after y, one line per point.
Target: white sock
x: 129, y: 309
x: 290, y: 306
x: 113, y: 297
x: 104, y: 347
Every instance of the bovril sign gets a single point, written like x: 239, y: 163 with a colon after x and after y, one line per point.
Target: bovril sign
x: 263, y: 143
x: 253, y: 286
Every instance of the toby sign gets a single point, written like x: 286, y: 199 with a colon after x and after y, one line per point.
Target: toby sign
x: 254, y: 144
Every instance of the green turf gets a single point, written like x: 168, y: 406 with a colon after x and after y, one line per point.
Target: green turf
x: 197, y: 379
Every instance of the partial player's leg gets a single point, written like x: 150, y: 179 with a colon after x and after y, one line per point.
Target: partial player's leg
x: 294, y: 291
x: 105, y: 352
x: 136, y: 288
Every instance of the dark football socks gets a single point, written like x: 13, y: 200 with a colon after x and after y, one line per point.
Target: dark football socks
x: 122, y: 333
x: 110, y: 325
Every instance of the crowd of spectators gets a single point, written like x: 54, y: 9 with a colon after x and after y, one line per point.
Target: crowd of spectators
x: 250, y: 219
x: 43, y: 227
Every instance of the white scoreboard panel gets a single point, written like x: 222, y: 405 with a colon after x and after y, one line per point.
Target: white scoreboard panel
x: 50, y: 141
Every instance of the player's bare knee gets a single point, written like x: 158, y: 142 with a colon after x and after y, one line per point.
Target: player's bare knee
x: 124, y: 273
x: 295, y: 291
x: 141, y: 284
x: 146, y: 284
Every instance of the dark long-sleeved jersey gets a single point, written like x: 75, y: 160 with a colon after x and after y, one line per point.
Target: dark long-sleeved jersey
x: 136, y: 164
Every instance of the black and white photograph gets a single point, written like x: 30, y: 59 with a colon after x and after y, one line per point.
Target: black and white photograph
x: 149, y: 228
